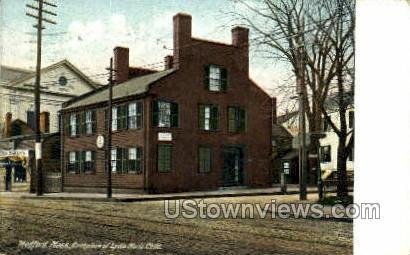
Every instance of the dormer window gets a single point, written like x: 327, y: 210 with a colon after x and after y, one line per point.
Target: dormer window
x: 216, y: 78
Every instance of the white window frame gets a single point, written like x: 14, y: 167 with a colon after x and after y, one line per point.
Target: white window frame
x: 114, y: 119
x: 89, y: 122
x: 164, y: 114
x: 72, y: 157
x: 114, y: 160
x: 207, y: 117
x: 73, y: 124
x: 214, y: 78
x: 88, y: 156
x: 132, y: 115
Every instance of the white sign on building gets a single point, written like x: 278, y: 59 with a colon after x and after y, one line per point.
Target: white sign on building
x: 164, y: 136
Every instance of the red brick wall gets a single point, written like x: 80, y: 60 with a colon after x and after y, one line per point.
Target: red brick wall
x: 186, y: 87
x: 123, y: 139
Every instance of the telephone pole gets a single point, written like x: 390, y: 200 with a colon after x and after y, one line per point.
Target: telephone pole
x: 40, y: 19
x: 109, y: 133
x: 302, y: 126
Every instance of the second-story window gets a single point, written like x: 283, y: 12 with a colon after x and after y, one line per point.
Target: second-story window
x: 119, y: 117
x: 236, y: 119
x: 135, y: 115
x: 74, y: 125
x: 165, y: 114
x: 208, y: 117
x: 90, y: 122
x: 216, y: 78
x: 114, y: 120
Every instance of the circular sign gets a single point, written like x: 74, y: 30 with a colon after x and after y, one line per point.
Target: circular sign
x: 100, y: 141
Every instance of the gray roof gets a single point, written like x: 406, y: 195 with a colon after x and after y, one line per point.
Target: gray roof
x: 279, y: 131
x: 8, y: 74
x: 131, y: 87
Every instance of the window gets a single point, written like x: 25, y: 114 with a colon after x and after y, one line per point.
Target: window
x: 114, y: 120
x: 236, y: 119
x: 135, y: 160
x: 90, y: 122
x: 62, y: 81
x: 215, y: 78
x: 135, y: 115
x: 74, y: 127
x: 208, y: 117
x: 122, y: 117
x: 351, y: 119
x: 119, y: 117
x: 204, y: 159
x: 165, y: 114
x: 164, y: 160
x: 122, y: 159
x: 325, y: 154
x: 73, y: 162
x: 88, y: 161
x: 114, y: 160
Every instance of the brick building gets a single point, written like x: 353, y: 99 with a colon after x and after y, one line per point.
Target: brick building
x: 200, y: 124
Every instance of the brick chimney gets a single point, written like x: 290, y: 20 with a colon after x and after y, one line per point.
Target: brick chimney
x: 7, y: 125
x: 121, y: 64
x: 169, y: 62
x: 45, y: 122
x: 240, y: 39
x: 182, y: 37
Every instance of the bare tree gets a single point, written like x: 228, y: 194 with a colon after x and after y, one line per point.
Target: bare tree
x: 315, y: 38
x: 342, y: 38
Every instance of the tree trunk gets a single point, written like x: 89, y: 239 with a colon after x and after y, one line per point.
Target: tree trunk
x: 342, y: 184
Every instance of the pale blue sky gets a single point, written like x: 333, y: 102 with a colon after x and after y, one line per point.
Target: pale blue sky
x: 88, y: 30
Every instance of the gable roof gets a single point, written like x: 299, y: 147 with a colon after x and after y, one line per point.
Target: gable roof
x: 278, y: 131
x: 287, y: 116
x: 8, y: 73
x: 63, y: 62
x: 331, y: 105
x: 131, y: 87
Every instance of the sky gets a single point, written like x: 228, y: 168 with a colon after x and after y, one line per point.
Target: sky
x: 88, y: 30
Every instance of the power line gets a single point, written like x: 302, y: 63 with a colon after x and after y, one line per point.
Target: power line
x: 40, y: 18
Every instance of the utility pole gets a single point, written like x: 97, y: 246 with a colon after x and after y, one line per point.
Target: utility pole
x: 302, y: 127
x: 109, y: 133
x: 39, y: 17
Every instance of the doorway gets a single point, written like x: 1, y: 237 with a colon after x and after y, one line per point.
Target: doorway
x: 233, y: 166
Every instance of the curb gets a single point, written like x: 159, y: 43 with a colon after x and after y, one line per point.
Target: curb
x: 159, y: 198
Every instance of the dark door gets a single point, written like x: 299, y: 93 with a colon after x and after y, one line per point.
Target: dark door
x: 233, y: 166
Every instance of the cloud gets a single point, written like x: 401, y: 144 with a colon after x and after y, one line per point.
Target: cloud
x: 89, y: 44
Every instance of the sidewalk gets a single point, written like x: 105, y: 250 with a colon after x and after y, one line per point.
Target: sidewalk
x: 234, y: 192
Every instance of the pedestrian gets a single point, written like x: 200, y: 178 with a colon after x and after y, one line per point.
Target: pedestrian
x: 8, y: 175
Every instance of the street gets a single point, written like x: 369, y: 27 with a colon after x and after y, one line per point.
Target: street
x: 26, y: 220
